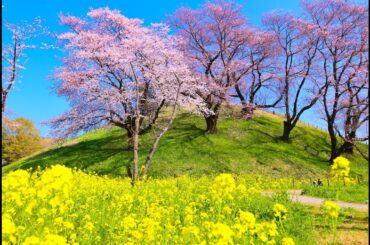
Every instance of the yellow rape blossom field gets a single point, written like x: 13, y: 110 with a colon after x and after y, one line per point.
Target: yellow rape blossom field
x: 64, y: 206
x: 60, y: 205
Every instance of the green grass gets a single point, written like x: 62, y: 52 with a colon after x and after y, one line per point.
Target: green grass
x: 350, y: 193
x: 240, y: 146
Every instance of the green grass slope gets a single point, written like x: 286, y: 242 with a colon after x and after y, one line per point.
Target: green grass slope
x: 240, y: 146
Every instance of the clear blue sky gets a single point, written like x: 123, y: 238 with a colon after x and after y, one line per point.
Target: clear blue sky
x: 32, y: 97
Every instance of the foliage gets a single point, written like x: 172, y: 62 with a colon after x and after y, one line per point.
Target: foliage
x: 48, y: 142
x: 64, y: 205
x: 20, y: 138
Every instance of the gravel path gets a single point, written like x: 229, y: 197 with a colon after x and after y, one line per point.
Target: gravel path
x: 295, y: 195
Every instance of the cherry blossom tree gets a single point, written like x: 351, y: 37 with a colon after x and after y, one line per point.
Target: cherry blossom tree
x: 353, y: 119
x: 343, y: 29
x: 355, y: 116
x: 13, y: 54
x: 214, y: 42
x: 259, y: 85
x: 115, y: 70
x: 298, y: 54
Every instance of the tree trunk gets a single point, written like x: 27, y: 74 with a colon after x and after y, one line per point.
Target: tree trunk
x: 248, y: 111
x: 135, y: 140
x: 135, y: 173
x: 130, y: 133
x: 4, y: 92
x: 347, y: 147
x: 286, y: 132
x: 150, y: 125
x: 333, y: 142
x: 211, y: 122
x: 130, y: 128
x: 245, y: 109
x: 163, y: 131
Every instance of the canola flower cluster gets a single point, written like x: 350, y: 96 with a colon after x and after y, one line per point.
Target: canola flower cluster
x: 340, y: 168
x: 331, y: 209
x: 280, y: 211
x: 60, y: 205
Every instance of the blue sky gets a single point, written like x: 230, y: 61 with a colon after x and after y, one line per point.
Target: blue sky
x: 32, y: 96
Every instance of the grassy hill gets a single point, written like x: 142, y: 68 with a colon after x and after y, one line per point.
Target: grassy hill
x: 240, y: 146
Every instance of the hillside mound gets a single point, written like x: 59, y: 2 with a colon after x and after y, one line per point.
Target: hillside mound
x: 239, y: 146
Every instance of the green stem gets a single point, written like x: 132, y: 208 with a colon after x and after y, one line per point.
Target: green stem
x: 282, y: 226
x: 334, y: 227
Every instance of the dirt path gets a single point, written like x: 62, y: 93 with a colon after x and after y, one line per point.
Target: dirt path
x: 295, y: 195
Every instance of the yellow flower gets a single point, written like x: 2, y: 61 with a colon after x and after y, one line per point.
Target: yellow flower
x: 272, y: 229
x: 266, y: 231
x: 40, y: 220
x: 239, y: 230
x: 12, y: 239
x: 55, y: 201
x: 279, y: 211
x: 247, y: 218
x: 137, y: 235
x: 87, y: 217
x: 129, y: 222
x: 16, y: 179
x: 331, y: 209
x: 183, y: 210
x: 241, y: 189
x: 127, y: 200
x: 54, y: 239
x: 191, y: 231
x: 340, y: 167
x: 30, y: 207
x: 219, y: 231
x: 204, y: 215
x: 223, y: 186
x: 74, y: 215
x: 73, y: 237
x: 58, y: 220
x: 287, y: 241
x: 89, y: 226
x: 43, y: 211
x: 227, y: 210
x: 32, y: 240
x: 68, y: 225
x: 8, y: 227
